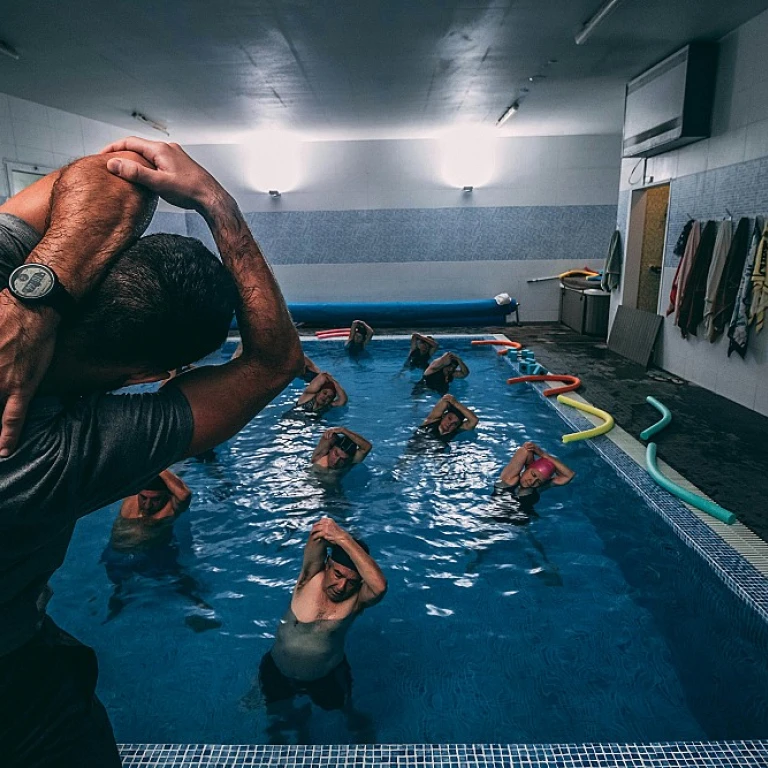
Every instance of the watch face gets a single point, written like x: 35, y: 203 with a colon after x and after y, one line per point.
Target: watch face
x: 32, y: 281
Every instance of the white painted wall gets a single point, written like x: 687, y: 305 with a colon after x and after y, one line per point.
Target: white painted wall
x: 740, y: 133
x: 371, y: 175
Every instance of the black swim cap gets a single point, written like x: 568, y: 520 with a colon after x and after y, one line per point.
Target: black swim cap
x: 339, y: 556
x: 455, y: 411
x: 345, y: 443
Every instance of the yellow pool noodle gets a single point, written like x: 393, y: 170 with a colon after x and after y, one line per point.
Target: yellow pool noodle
x: 587, y: 433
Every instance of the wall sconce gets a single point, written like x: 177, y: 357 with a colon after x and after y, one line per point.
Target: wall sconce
x: 274, y: 194
x: 467, y: 190
x: 467, y: 157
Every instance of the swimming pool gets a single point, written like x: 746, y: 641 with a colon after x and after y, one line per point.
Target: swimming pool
x: 592, y: 623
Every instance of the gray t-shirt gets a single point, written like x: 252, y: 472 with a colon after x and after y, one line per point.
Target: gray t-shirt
x: 74, y: 457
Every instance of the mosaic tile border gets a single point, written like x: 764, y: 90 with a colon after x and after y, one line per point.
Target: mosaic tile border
x: 743, y: 579
x: 730, y: 754
x: 732, y: 568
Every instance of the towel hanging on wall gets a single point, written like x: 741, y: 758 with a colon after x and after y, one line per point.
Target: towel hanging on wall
x: 722, y: 309
x: 692, y: 303
x: 760, y: 283
x: 612, y: 269
x: 683, y: 270
x: 738, y: 328
x: 715, y: 274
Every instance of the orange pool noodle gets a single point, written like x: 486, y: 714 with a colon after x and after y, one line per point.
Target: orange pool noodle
x: 572, y: 382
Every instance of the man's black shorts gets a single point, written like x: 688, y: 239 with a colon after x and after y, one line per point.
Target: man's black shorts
x: 329, y: 692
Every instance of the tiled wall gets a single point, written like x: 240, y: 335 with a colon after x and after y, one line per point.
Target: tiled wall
x: 729, y: 172
x: 373, y: 220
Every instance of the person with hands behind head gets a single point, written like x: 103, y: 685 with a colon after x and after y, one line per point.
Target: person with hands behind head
x: 144, y: 307
x: 530, y: 471
x: 322, y: 393
x: 422, y: 348
x: 447, y: 419
x: 338, y: 580
x: 441, y: 372
x: 360, y: 333
x: 339, y: 449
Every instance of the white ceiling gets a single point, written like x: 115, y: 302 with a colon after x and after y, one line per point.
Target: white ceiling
x: 216, y: 70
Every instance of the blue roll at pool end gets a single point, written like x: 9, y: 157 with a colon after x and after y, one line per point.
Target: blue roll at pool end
x: 666, y: 417
x: 705, y: 505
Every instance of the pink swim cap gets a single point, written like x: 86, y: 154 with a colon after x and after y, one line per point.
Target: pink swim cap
x: 544, y: 467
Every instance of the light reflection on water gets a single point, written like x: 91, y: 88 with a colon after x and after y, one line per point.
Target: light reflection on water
x: 490, y: 632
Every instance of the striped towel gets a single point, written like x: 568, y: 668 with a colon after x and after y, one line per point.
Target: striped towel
x: 760, y: 284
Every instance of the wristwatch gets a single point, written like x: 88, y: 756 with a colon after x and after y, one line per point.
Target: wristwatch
x: 37, y: 284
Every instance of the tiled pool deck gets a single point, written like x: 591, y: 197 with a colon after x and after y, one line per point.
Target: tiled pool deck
x: 715, y: 542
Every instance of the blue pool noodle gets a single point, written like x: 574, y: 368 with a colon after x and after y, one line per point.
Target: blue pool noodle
x: 705, y: 505
x: 666, y: 417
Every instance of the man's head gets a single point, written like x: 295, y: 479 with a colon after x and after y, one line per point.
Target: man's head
x: 450, y: 421
x: 325, y: 396
x: 341, y: 579
x: 165, y: 302
x: 154, y: 497
x: 422, y: 346
x: 342, y: 452
x: 538, y: 473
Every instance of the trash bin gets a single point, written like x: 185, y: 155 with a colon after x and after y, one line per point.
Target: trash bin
x: 585, y: 310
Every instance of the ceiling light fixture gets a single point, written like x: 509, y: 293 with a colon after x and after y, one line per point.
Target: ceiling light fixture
x: 151, y: 123
x: 508, y: 112
x: 589, y: 26
x: 274, y: 193
x: 9, y: 50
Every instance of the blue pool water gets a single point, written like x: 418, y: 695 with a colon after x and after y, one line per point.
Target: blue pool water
x: 592, y: 623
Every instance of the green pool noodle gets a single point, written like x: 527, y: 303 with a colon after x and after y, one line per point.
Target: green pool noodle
x: 705, y: 505
x: 666, y: 417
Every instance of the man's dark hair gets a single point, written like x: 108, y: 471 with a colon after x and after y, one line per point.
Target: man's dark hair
x: 165, y: 302
x: 340, y: 556
x: 157, y: 484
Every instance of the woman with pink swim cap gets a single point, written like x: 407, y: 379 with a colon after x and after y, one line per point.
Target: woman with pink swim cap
x: 531, y: 469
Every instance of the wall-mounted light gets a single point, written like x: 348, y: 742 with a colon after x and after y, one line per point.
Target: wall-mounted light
x: 142, y: 118
x: 589, y: 26
x: 9, y: 50
x: 508, y: 112
x: 273, y: 162
x: 468, y: 189
x: 468, y: 154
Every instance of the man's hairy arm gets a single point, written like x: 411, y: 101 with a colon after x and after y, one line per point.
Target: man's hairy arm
x: 86, y: 216
x: 224, y: 398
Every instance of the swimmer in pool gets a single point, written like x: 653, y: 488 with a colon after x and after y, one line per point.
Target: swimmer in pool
x: 339, y: 449
x: 441, y: 372
x: 360, y: 333
x: 530, y: 471
x: 447, y: 419
x: 143, y: 543
x: 322, y: 393
x: 307, y: 658
x: 422, y: 348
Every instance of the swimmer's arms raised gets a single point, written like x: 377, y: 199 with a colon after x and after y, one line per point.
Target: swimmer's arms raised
x: 86, y: 216
x: 327, y: 533
x: 563, y: 474
x: 224, y: 398
x: 471, y: 419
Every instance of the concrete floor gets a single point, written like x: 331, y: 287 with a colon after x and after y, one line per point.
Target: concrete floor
x: 719, y: 446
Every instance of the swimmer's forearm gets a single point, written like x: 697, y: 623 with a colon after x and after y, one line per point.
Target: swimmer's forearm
x: 369, y: 571
x: 266, y: 328
x: 94, y: 215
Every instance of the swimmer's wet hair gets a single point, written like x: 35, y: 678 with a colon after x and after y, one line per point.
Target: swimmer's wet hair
x: 166, y: 301
x: 339, y: 556
x: 456, y: 412
x: 346, y: 444
x: 158, y: 484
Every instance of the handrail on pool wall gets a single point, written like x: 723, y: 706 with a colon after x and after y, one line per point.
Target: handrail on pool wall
x: 573, y: 382
x: 705, y: 505
x: 601, y: 429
